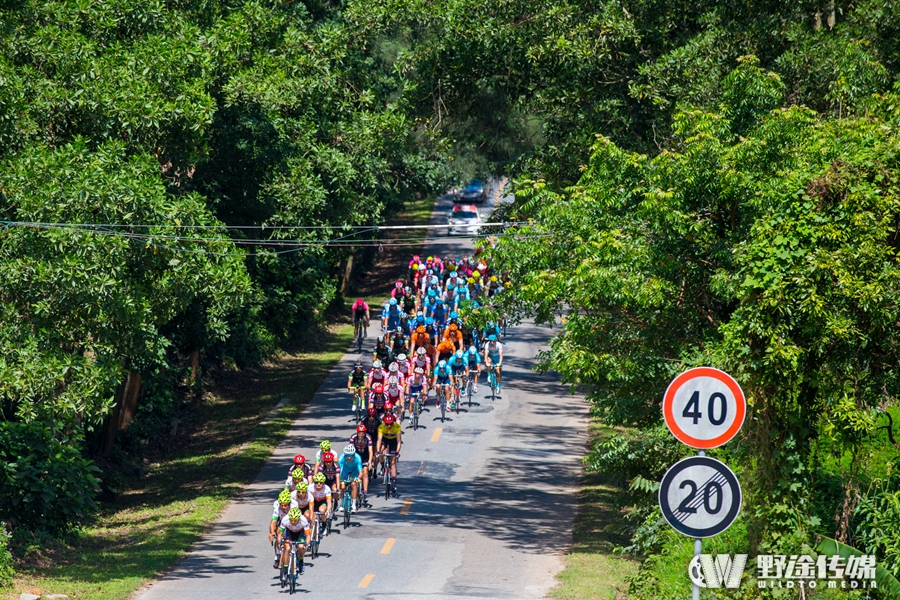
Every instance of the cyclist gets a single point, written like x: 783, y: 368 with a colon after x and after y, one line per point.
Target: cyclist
x: 372, y: 420
x: 376, y: 399
x: 409, y: 301
x: 299, y: 462
x: 294, y: 528
x: 281, y: 509
x: 324, y: 446
x: 362, y: 442
x: 454, y: 335
x: 401, y: 346
x: 421, y: 361
x: 418, y: 384
x: 475, y: 361
x: 403, y: 366
x: 394, y: 371
x: 439, y: 314
x: 302, y: 499
x: 360, y: 318
x: 445, y: 350
x: 296, y: 478
x: 442, y: 380
x: 460, y: 366
x: 493, y: 355
x: 390, y: 440
x: 321, y: 497
x: 331, y: 469
x: 351, y: 470
x: 390, y: 319
x: 381, y: 352
x: 356, y: 384
x: 394, y: 393
x: 377, y: 375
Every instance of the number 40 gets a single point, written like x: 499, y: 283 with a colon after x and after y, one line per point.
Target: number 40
x: 692, y: 410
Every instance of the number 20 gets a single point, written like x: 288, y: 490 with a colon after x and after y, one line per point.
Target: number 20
x: 692, y: 410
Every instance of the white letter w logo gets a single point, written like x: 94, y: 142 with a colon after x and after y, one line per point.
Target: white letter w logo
x: 718, y: 571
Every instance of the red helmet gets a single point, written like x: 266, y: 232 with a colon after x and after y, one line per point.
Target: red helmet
x: 388, y: 405
x: 362, y: 428
x: 328, y: 457
x: 388, y: 419
x: 371, y: 410
x: 378, y: 388
x: 299, y: 460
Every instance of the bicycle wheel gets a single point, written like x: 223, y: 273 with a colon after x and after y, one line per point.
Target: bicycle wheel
x: 415, y: 414
x: 456, y: 398
x: 387, y: 481
x: 470, y: 387
x: 314, y: 539
x: 443, y: 406
x: 493, y: 378
x: 347, y: 509
x: 284, y: 574
x: 292, y: 572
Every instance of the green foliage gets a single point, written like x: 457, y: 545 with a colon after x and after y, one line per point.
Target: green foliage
x: 6, y: 559
x: 888, y: 585
x: 877, y: 525
x: 46, y: 483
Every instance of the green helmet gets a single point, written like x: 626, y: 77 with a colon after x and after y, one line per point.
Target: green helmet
x: 302, y: 486
x: 295, y: 514
x: 325, y: 446
x: 319, y: 478
x: 298, y: 473
x: 284, y: 497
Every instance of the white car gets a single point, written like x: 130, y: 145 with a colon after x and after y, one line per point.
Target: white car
x: 465, y: 220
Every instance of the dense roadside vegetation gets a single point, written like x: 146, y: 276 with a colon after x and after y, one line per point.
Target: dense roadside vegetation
x: 719, y: 180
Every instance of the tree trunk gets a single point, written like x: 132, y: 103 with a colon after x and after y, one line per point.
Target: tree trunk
x: 126, y: 405
x: 345, y: 280
x: 195, y: 366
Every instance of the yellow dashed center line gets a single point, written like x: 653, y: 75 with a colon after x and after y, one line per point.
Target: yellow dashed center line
x: 404, y: 510
x: 386, y: 549
x: 366, y: 580
x: 437, y: 434
x: 421, y: 470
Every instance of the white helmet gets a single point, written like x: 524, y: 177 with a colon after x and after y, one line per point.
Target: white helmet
x: 402, y: 357
x: 349, y: 450
x: 393, y: 368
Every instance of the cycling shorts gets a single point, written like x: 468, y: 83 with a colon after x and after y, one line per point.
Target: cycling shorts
x: 443, y: 380
x: 317, y: 504
x: 457, y: 370
x: 415, y: 389
x: 390, y: 445
x: 295, y: 536
x: 330, y: 481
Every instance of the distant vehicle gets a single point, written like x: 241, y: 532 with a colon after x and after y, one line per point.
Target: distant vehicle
x: 465, y: 220
x: 471, y: 192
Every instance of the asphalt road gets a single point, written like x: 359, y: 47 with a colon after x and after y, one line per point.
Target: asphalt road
x: 485, y: 507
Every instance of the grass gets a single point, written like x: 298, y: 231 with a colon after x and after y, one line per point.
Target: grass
x: 592, y: 570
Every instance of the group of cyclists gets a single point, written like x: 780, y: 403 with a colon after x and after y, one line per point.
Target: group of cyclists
x: 427, y: 343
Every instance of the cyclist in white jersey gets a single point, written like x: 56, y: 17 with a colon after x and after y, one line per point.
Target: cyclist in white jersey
x: 493, y: 355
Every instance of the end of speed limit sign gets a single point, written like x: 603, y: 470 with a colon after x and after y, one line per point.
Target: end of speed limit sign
x: 704, y: 407
x: 699, y: 496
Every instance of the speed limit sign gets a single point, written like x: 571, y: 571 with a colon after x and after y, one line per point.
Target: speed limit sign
x: 704, y: 407
x: 699, y: 496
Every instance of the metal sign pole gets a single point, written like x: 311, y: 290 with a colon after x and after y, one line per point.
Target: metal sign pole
x: 698, y: 550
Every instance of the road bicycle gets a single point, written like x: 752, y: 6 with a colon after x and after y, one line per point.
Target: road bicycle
x: 359, y: 403
x: 360, y: 333
x: 416, y: 409
x: 457, y: 391
x: 387, y: 472
x: 346, y: 504
x: 318, y: 529
x: 470, y: 389
x: 443, y: 399
x: 290, y: 573
x: 492, y: 381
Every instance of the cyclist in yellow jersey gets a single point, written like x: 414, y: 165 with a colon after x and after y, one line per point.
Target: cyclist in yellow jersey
x: 389, y: 440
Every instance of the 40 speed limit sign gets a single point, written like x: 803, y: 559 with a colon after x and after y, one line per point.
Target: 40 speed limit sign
x: 699, y: 496
x: 704, y: 407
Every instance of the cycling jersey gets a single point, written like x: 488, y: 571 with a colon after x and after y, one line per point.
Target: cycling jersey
x: 301, y: 500
x: 356, y: 378
x: 278, y: 514
x: 330, y: 469
x: 389, y: 433
x: 492, y: 350
x: 421, y: 363
x: 473, y: 358
x: 458, y: 365
x: 299, y: 526
x: 442, y: 372
x: 371, y: 423
x: 320, y: 495
x: 377, y: 400
x: 403, y: 367
x: 362, y: 446
x: 393, y: 394
x: 378, y: 376
x: 360, y: 310
x: 351, y: 470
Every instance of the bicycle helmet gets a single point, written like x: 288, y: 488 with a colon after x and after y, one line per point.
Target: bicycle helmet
x: 376, y: 364
x: 393, y: 302
x: 399, y: 284
x: 328, y: 457
x: 299, y: 460
x: 470, y: 280
x: 415, y: 267
x: 349, y: 450
x: 393, y: 368
x: 432, y: 294
x: 358, y: 365
x: 371, y: 412
x: 492, y: 337
x: 453, y: 327
x: 294, y: 515
x: 420, y: 371
x: 454, y: 315
x: 298, y: 474
x: 378, y: 388
x: 453, y: 273
x: 284, y: 497
x: 362, y: 428
x: 494, y: 278
x: 420, y: 351
x: 401, y: 357
x: 442, y: 364
x: 302, y: 487
x: 319, y: 478
x: 392, y: 381
x: 388, y: 406
x: 429, y: 321
x: 459, y: 354
x: 473, y: 350
x: 325, y: 445
x: 407, y: 290
x: 388, y: 419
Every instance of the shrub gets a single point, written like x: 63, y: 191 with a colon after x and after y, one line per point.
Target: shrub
x: 6, y: 559
x: 45, y: 482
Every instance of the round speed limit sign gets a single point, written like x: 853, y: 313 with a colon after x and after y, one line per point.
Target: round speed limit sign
x: 699, y: 496
x: 704, y: 407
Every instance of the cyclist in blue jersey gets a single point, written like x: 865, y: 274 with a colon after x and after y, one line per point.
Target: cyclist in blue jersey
x: 442, y: 380
x: 459, y: 365
x: 351, y: 470
x: 390, y: 319
x: 474, y: 359
x: 440, y: 315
